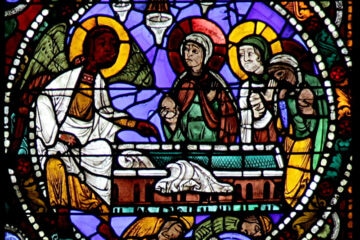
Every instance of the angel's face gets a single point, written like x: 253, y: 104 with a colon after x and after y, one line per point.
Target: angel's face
x: 105, y: 49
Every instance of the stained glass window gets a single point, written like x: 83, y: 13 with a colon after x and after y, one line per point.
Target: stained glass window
x: 157, y: 119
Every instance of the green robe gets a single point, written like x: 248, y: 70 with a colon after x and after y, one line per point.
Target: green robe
x: 314, y: 126
x: 193, y: 126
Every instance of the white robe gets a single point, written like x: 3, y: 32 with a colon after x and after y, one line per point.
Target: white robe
x: 246, y: 115
x: 95, y: 136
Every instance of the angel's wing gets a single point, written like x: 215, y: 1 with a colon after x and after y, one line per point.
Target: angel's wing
x: 49, y: 59
x: 137, y: 71
x: 49, y: 55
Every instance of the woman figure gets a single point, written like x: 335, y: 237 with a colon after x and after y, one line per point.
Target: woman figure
x: 199, y: 108
x: 302, y: 121
x: 256, y: 93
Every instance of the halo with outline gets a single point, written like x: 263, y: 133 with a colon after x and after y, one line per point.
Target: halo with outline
x: 76, y: 42
x: 246, y: 29
x: 199, y: 25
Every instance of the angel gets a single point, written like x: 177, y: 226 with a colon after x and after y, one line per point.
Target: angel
x: 75, y: 122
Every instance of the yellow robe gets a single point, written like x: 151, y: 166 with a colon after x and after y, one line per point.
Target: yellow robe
x: 66, y: 189
x: 298, y: 171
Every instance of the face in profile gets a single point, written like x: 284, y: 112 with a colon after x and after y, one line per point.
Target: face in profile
x: 284, y: 74
x: 193, y: 55
x: 251, y: 229
x: 104, y: 49
x: 171, y: 230
x: 250, y: 59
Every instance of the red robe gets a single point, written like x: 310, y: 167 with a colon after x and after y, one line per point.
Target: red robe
x: 225, y: 120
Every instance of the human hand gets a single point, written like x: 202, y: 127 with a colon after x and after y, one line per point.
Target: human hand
x: 81, y: 177
x: 306, y: 101
x: 282, y: 94
x: 269, y: 93
x: 69, y: 139
x: 257, y: 105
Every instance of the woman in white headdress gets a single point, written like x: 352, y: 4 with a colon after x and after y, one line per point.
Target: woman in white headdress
x: 199, y: 108
x: 303, y: 122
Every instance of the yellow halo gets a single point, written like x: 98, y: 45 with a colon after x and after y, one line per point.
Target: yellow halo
x: 76, y: 43
x: 243, y: 30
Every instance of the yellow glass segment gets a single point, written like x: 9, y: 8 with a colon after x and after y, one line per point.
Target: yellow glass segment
x: 246, y: 29
x: 76, y: 48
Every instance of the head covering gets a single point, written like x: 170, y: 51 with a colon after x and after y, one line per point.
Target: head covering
x: 145, y: 226
x: 265, y: 224
x: 188, y: 221
x: 260, y: 43
x: 281, y: 59
x: 201, y: 39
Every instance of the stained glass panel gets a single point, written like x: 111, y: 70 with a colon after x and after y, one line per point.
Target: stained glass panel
x: 163, y: 119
